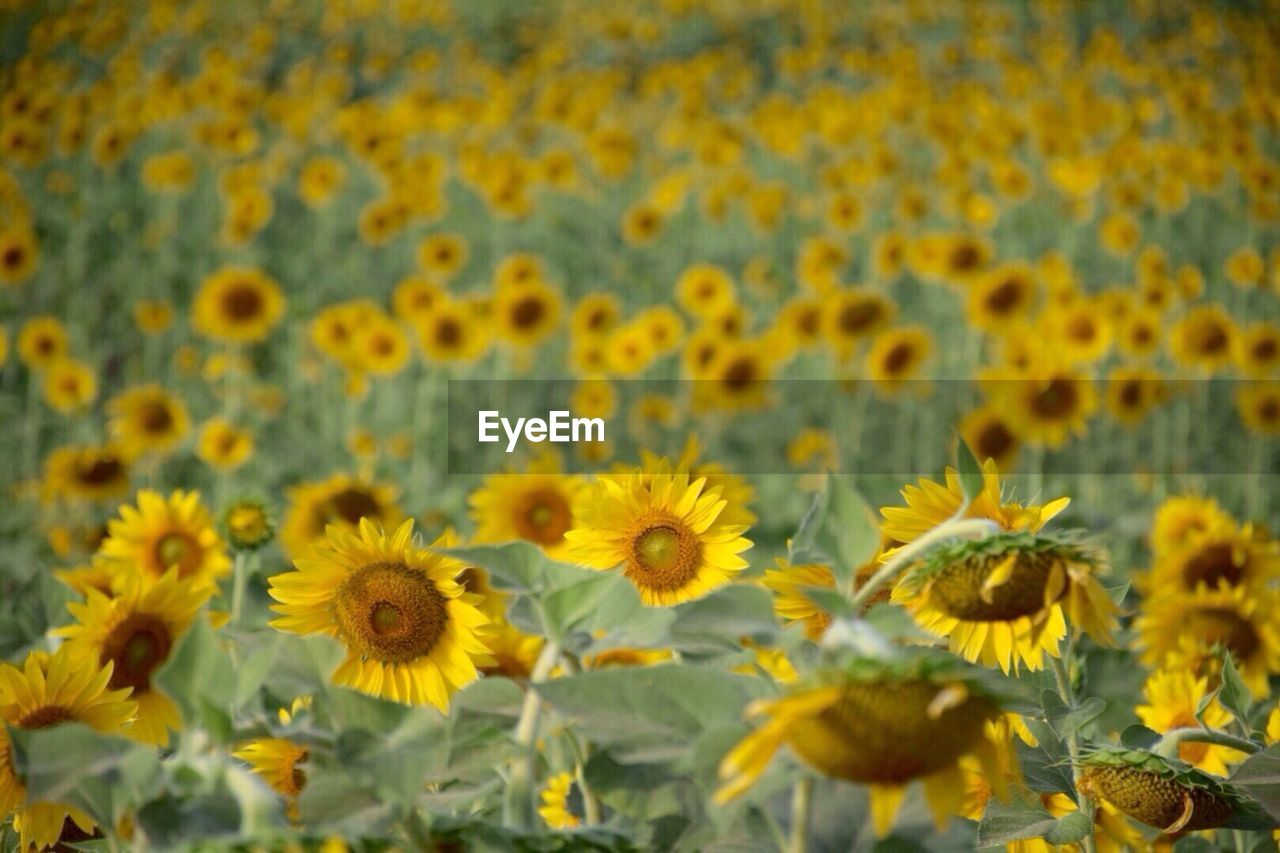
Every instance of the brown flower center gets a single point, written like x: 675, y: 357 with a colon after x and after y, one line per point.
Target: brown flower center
x: 242, y: 302
x: 136, y: 648
x: 542, y: 516
x: 390, y: 612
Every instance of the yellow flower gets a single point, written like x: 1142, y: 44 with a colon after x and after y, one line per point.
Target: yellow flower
x: 854, y: 315
x: 443, y: 255
x: 86, y: 471
x: 1048, y: 402
x: 1203, y: 338
x: 319, y: 179
x: 897, y: 355
x: 1174, y: 698
x: 881, y: 729
x: 453, y: 331
x: 277, y: 761
x: 1259, y: 406
x: 412, y: 633
x: 788, y: 584
x: 159, y: 535
x: 1001, y: 297
x: 19, y: 254
x: 47, y: 691
x: 380, y: 346
x: 1257, y: 352
x: 135, y: 632
x: 1222, y: 552
x: 69, y: 385
x: 703, y: 289
x: 237, y: 305
x: 555, y: 802
x: 1181, y: 519
x: 340, y: 500
x: 526, y: 315
x: 147, y: 419
x: 991, y: 436
x: 536, y: 506
x: 223, y: 445
x: 662, y: 530
x: 152, y: 316
x: 42, y: 341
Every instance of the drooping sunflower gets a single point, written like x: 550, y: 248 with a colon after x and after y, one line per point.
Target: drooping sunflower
x: 662, y: 530
x: 1188, y: 630
x: 87, y: 472
x: 1001, y: 600
x: 1164, y: 793
x: 412, y: 633
x: 555, y: 808
x: 47, y: 691
x: 147, y: 419
x: 342, y: 500
x: 237, y: 305
x: 278, y: 761
x: 158, y: 535
x: 884, y: 725
x: 135, y: 631
x: 1174, y: 699
x: 536, y: 506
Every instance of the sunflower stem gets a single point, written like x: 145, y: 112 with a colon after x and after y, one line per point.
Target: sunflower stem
x: 1063, y: 679
x: 1169, y: 742
x: 582, y: 753
x: 518, y: 811
x: 801, y: 806
x: 239, y: 579
x: 972, y: 528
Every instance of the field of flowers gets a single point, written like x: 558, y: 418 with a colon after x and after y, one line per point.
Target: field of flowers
x: 938, y: 347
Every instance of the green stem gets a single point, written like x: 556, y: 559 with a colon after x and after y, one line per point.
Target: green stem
x: 972, y: 528
x: 582, y: 753
x: 239, y: 580
x: 801, y: 806
x: 518, y: 811
x: 1169, y: 742
x: 1063, y: 680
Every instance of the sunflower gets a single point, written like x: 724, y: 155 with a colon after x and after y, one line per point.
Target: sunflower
x: 1222, y: 553
x: 247, y: 524
x: 518, y: 270
x: 69, y: 385
x: 380, y: 346
x: 595, y: 314
x: 526, y: 315
x: 411, y: 631
x: 1001, y: 297
x: 87, y: 472
x: 102, y: 575
x: 1080, y: 331
x: 222, y: 445
x: 735, y: 490
x: 555, y: 796
x: 1048, y: 402
x: 159, y: 535
x: 788, y: 583
x: 1181, y: 519
x: 237, y: 305
x: 414, y: 298
x: 1203, y: 338
x: 897, y: 355
x: 1187, y: 629
x: 135, y: 631
x: 738, y: 378
x: 514, y: 652
x: 319, y: 179
x: 703, y: 289
x: 1259, y: 406
x: 536, y: 506
x: 1257, y: 351
x: 664, y: 532
x: 1001, y: 600
x: 147, y: 419
x: 277, y: 761
x: 47, y: 691
x: 443, y: 255
x: 452, y: 331
x: 853, y: 315
x: 340, y: 500
x: 1132, y: 392
x: 42, y: 341
x: 991, y: 436
x: 19, y: 254
x: 884, y: 725
x: 641, y: 224
x: 152, y: 316
x: 1164, y: 793
x: 1175, y: 698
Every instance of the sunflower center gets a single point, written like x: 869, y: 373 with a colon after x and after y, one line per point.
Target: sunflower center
x: 965, y: 257
x: 156, y: 417
x: 858, y: 317
x: 177, y: 549
x: 13, y: 257
x: 898, y: 358
x: 542, y: 516
x: 883, y: 733
x: 1213, y: 339
x: 1224, y: 625
x: 994, y: 440
x: 46, y: 716
x: 527, y: 312
x: 136, y: 647
x: 390, y: 612
x: 352, y: 504
x: 1005, y: 297
x: 448, y: 332
x: 1082, y: 329
x: 242, y: 302
x: 99, y: 471
x: 1212, y: 564
x: 740, y: 374
x: 957, y: 590
x: 665, y: 554
x: 1056, y: 399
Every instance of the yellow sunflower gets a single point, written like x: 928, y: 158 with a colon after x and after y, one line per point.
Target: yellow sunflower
x: 87, y: 472
x: 1001, y: 297
x: 158, y: 535
x: 854, y: 315
x: 1174, y: 698
x: 664, y: 532
x: 555, y: 802
x: 42, y: 341
x: 1204, y: 338
x: 237, y: 305
x: 342, y: 500
x: 412, y: 633
x: 897, y: 356
x: 536, y: 506
x: 222, y: 445
x: 47, y: 691
x: 147, y: 419
x: 595, y: 314
x: 1048, y: 402
x: 1257, y: 351
x: 991, y: 436
x: 788, y: 584
x: 69, y: 385
x: 1132, y: 392
x: 277, y: 761
x: 1180, y: 519
x: 881, y: 728
x: 1222, y: 553
x: 134, y: 632
x: 526, y: 315
x: 443, y: 255
x: 1186, y: 629
x: 452, y: 331
x: 1258, y: 404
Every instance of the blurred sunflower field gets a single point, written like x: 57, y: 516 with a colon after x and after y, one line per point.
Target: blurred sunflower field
x: 937, y: 346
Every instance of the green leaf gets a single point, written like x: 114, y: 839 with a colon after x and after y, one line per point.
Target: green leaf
x: 838, y: 530
x: 1069, y: 829
x: 519, y: 567
x: 1139, y: 737
x: 1259, y: 777
x: 252, y: 673
x: 200, y: 678
x: 1233, y: 694
x: 721, y: 619
x: 1023, y: 816
x: 970, y: 470
x: 1066, y: 721
x: 570, y: 608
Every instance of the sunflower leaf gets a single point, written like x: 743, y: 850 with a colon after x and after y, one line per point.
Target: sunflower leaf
x: 850, y: 534
x: 1233, y: 693
x: 200, y: 679
x: 1023, y: 816
x: 1069, y: 829
x: 971, y: 476
x: 1259, y: 777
